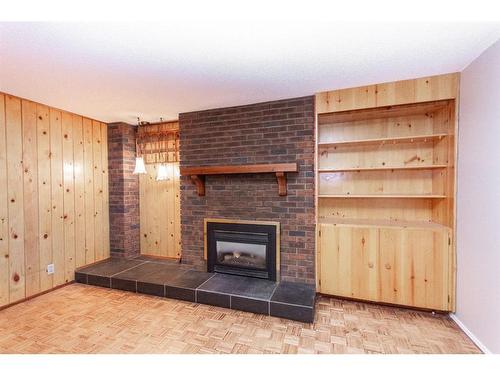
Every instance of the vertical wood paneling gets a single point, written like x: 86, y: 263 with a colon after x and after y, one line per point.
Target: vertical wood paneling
x: 44, y: 196
x: 143, y: 218
x: 160, y: 212
x: 159, y: 201
x: 105, y: 189
x: 78, y: 167
x: 151, y: 229
x: 168, y: 216
x: 4, y: 213
x: 177, y: 210
x: 49, y: 160
x: 69, y: 197
x: 15, y: 197
x: 98, y: 191
x: 30, y: 165
x: 89, y: 191
x: 57, y: 195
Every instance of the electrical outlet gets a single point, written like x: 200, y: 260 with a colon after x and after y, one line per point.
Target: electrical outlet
x: 50, y: 269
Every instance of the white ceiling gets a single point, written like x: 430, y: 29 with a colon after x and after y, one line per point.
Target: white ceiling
x: 118, y: 71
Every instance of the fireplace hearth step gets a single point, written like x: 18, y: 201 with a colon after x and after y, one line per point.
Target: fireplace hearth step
x: 164, y: 278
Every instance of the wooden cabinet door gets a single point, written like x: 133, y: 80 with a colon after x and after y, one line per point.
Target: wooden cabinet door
x: 425, y: 269
x: 414, y: 267
x: 364, y: 262
x: 349, y: 261
x: 399, y: 266
x: 390, y: 241
x: 335, y: 269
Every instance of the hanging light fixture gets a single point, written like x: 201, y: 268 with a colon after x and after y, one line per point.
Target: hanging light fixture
x: 140, y: 168
x: 162, y: 173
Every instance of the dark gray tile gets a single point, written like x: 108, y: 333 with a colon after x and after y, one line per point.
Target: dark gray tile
x: 99, y: 280
x: 295, y: 294
x: 222, y: 283
x: 257, y: 288
x: 109, y: 267
x: 250, y: 305
x: 216, y: 299
x: 190, y: 279
x: 293, y: 312
x: 151, y: 289
x: 129, y: 285
x: 146, y: 258
x: 185, y: 294
x: 240, y: 286
x: 164, y: 276
x: 156, y: 273
x: 81, y: 277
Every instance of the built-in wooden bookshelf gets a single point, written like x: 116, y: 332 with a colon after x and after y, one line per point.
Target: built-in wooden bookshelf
x: 386, y: 192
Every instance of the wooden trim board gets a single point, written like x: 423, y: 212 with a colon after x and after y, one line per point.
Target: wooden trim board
x: 36, y: 295
x: 236, y: 169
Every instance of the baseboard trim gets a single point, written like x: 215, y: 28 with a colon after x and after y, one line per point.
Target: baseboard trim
x: 36, y: 295
x: 466, y: 330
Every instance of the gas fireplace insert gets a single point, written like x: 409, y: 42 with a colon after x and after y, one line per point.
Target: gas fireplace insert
x: 245, y: 249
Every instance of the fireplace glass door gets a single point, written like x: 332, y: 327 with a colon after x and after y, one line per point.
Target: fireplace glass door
x: 246, y: 250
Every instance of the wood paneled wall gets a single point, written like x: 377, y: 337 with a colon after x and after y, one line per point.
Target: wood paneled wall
x: 159, y: 201
x: 53, y: 196
x: 160, y: 212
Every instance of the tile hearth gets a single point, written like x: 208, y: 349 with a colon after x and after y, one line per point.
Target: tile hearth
x: 165, y: 278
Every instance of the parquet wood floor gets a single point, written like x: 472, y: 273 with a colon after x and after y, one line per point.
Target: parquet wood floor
x: 86, y: 319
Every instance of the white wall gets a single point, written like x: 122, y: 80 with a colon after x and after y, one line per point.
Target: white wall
x: 478, y: 203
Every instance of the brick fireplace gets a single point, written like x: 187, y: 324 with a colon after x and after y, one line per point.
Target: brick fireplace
x: 272, y: 132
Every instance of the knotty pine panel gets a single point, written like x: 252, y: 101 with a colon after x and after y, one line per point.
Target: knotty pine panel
x: 89, y: 191
x: 30, y: 160
x: 160, y: 212
x: 4, y: 212
x: 47, y: 205
x: 15, y: 205
x: 98, y: 200
x: 160, y: 201
x: 69, y: 197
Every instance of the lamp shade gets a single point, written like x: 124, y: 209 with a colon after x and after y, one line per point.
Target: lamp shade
x: 140, y: 168
x: 162, y: 173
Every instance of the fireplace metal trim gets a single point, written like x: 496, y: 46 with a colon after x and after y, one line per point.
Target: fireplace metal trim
x: 253, y: 222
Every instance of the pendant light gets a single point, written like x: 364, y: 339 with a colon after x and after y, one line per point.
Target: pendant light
x: 140, y: 168
x: 162, y: 173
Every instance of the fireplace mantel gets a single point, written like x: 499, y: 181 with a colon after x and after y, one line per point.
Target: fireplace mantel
x: 197, y: 174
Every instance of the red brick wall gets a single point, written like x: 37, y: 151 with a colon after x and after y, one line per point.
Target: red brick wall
x: 123, y: 191
x: 273, y: 132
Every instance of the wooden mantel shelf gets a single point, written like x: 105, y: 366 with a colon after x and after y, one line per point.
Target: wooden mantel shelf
x: 198, y: 174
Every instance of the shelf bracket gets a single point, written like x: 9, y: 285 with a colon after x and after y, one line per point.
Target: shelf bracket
x: 199, y: 182
x: 281, y: 177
